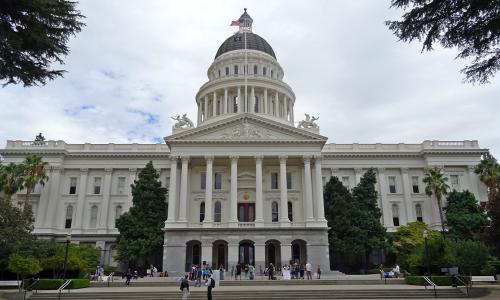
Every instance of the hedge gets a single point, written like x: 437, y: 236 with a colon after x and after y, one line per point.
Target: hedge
x: 54, y: 284
x: 438, y: 280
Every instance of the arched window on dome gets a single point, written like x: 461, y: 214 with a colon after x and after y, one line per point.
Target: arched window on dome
x: 264, y: 71
x: 202, y: 211
x: 217, y: 108
x: 273, y: 107
x: 235, y: 104
x: 69, y: 216
x: 217, y: 212
x: 236, y: 70
x: 272, y: 73
x: 93, y: 216
x: 256, y: 106
x: 227, y: 71
x: 255, y: 69
x: 219, y: 73
x: 274, y: 211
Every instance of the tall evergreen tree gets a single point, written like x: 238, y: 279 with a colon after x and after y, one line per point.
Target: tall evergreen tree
x: 141, y: 235
x: 464, y: 216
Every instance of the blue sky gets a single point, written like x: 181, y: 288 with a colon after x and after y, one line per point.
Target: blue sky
x: 136, y: 64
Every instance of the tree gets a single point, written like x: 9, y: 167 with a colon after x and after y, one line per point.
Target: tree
x: 470, y: 256
x: 141, y: 235
x: 23, y: 266
x: 365, y: 197
x: 435, y: 184
x: 10, y: 179
x: 471, y: 26
x: 408, y: 238
x: 34, y: 34
x: 489, y: 173
x: 33, y: 173
x: 464, y: 217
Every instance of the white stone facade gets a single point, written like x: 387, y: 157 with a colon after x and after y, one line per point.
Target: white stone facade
x: 245, y: 185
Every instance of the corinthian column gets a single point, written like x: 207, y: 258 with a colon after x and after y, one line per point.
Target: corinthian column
x: 284, y: 221
x: 208, y: 191
x: 319, y: 190
x: 259, y: 207
x: 184, y: 191
x: 233, y: 221
x: 308, y: 189
x: 172, y: 191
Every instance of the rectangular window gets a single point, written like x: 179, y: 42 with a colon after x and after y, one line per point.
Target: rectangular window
x: 97, y: 185
x: 418, y: 212
x: 414, y: 183
x: 72, y: 185
x: 345, y: 181
x: 274, y: 181
x: 454, y: 182
x: 203, y: 180
x: 218, y: 181
x: 289, y: 181
x: 121, y: 185
x: 392, y: 184
x: 395, y: 215
x: 235, y: 70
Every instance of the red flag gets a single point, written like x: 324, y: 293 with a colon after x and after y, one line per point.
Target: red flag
x: 235, y: 23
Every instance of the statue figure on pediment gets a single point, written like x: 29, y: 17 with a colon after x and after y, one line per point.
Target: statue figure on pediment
x: 183, y: 122
x: 309, y: 122
x: 39, y: 139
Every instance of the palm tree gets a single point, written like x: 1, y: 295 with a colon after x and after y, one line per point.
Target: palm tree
x: 435, y: 184
x: 489, y: 171
x: 10, y: 179
x: 34, y: 173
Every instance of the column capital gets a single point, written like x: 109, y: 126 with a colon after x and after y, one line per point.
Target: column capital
x: 381, y: 170
x: 108, y: 170
x: 334, y: 170
x: 209, y: 158
x: 283, y: 158
x: 318, y: 158
x: 185, y: 158
x: 259, y: 158
x: 173, y: 159
x: 358, y: 170
x: 132, y: 170
x: 307, y: 158
x: 234, y: 157
x: 404, y: 170
x: 84, y: 170
x: 471, y: 168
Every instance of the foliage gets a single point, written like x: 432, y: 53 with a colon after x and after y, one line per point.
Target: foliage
x: 470, y: 256
x: 54, y: 284
x: 33, y: 173
x: 438, y: 280
x: 489, y: 173
x: 471, y: 26
x: 10, y: 179
x: 24, y: 265
x: 408, y: 238
x: 435, y: 184
x: 464, y: 216
x: 141, y: 235
x: 15, y: 230
x: 354, y: 218
x: 34, y: 34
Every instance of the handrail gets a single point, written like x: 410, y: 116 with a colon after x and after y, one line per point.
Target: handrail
x: 30, y: 286
x: 63, y: 286
x: 429, y: 281
x: 459, y: 277
x: 110, y: 277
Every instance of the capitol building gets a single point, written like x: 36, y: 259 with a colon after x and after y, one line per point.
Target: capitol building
x: 245, y: 183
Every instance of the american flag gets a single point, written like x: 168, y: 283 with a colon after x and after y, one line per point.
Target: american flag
x: 235, y: 23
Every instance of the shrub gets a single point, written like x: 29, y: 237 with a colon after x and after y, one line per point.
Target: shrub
x: 54, y: 284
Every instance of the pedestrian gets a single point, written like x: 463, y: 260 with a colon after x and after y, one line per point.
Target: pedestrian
x: 128, y: 276
x: 199, y: 275
x: 238, y: 271
x: 210, y: 285
x: 246, y: 271
x: 270, y: 271
x: 309, y: 271
x: 221, y: 272
x: 318, y: 272
x: 381, y: 270
x: 251, y: 271
x: 185, y: 287
x: 301, y: 271
x: 155, y: 270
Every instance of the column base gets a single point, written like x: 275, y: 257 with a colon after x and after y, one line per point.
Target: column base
x: 285, y: 223
x: 233, y: 224
x: 175, y: 224
x: 317, y: 223
x: 207, y: 224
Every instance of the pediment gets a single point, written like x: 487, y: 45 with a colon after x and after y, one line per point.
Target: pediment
x: 248, y: 128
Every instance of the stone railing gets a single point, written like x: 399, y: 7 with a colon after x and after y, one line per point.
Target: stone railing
x: 246, y: 224
x: 87, y: 147
x: 401, y: 147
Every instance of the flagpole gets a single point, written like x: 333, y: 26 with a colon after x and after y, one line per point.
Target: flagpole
x: 245, y: 70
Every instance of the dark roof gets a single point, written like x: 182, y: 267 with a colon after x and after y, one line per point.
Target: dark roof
x: 237, y: 42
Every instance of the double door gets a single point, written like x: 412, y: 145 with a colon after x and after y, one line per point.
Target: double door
x: 246, y: 212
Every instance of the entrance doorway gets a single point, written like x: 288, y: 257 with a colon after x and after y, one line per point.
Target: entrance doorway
x: 219, y: 256
x: 246, y: 253
x: 246, y: 212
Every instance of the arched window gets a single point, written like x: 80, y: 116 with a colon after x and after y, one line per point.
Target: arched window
x: 217, y: 108
x: 227, y: 71
x: 235, y: 70
x: 219, y: 73
x: 235, y: 104
x: 264, y: 71
x: 395, y: 215
x: 69, y: 216
x: 202, y: 211
x: 256, y: 104
x: 118, y: 213
x: 255, y: 70
x: 93, y: 216
x: 418, y: 212
x: 274, y: 211
x: 217, y: 212
x: 272, y: 73
x: 290, y: 211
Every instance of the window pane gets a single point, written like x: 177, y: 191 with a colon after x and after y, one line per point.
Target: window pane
x: 395, y: 215
x: 274, y: 181
x: 392, y: 184
x: 202, y: 211
x: 97, y: 185
x: 414, y: 182
x: 418, y: 212
x: 203, y: 180
x: 289, y: 181
x: 290, y: 211
x: 218, y: 212
x: 218, y: 181
x: 72, y: 185
x: 93, y: 217
x: 274, y: 207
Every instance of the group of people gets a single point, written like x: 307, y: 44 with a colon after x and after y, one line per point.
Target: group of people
x: 297, y: 271
x: 202, y: 275
x: 394, y: 273
x: 248, y: 269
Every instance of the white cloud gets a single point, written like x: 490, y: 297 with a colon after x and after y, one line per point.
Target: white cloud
x: 136, y: 64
